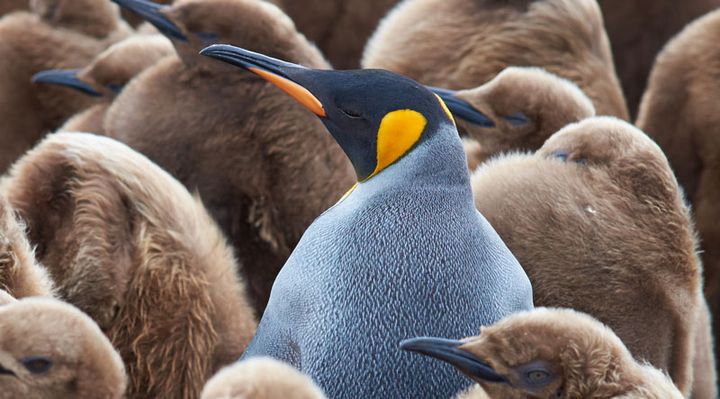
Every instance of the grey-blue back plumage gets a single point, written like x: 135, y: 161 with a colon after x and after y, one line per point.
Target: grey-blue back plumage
x: 404, y: 255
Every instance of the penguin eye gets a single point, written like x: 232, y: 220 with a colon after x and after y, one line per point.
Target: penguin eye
x: 114, y: 87
x: 350, y: 113
x: 37, y: 364
x: 536, y: 376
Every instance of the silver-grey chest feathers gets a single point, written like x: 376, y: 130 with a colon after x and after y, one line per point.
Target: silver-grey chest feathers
x: 403, y: 254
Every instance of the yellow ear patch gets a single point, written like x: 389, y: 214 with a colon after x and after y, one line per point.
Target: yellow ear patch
x: 445, y: 107
x: 399, y: 131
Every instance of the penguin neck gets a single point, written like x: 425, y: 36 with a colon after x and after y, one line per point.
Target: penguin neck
x: 438, y: 161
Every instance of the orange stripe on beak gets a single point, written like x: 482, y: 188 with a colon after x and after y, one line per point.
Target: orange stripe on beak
x: 299, y: 93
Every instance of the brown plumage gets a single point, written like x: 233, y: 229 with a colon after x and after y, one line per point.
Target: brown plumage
x: 639, y: 29
x: 597, y: 220
x: 582, y: 357
x: 263, y: 164
x: 20, y: 274
x: 461, y: 44
x: 680, y: 111
x: 56, y: 34
x: 339, y: 27
x: 110, y: 71
x: 6, y: 298
x: 547, y: 101
x: 261, y: 378
x: 127, y: 244
x: 51, y: 350
x: 8, y: 6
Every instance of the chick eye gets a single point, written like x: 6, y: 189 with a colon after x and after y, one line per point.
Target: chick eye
x: 114, y: 87
x: 351, y: 114
x: 536, y: 376
x: 37, y: 365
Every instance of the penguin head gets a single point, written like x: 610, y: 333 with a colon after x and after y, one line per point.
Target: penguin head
x: 49, y: 349
x: 91, y: 17
x: 518, y: 109
x: 376, y: 116
x: 110, y: 71
x: 543, y: 353
x: 195, y: 24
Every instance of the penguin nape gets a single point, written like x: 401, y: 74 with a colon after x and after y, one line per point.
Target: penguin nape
x: 404, y: 253
x: 52, y: 34
x: 603, y: 217
x: 51, y: 350
x: 548, y: 353
x: 517, y: 110
x: 261, y: 378
x: 106, y: 76
x: 20, y: 273
x: 131, y: 247
x: 264, y: 166
x: 460, y: 44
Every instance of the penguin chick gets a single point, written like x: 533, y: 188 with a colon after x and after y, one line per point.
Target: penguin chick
x: 51, y: 350
x: 20, y: 274
x: 639, y: 29
x: 460, y: 44
x: 263, y: 165
x: 55, y: 34
x: 339, y: 27
x: 8, y: 6
x: 106, y: 76
x: 679, y: 111
x: 127, y: 244
x: 603, y: 217
x: 518, y: 110
x: 549, y: 353
x: 404, y: 251
x: 261, y: 378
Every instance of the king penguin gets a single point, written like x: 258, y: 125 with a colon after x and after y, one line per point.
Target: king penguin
x: 403, y: 253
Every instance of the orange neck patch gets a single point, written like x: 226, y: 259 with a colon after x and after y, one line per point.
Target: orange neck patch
x: 399, y: 131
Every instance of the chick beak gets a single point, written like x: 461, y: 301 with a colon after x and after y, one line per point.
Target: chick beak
x: 448, y: 351
x: 151, y: 12
x: 282, y: 74
x: 461, y: 108
x: 4, y: 371
x: 65, y: 77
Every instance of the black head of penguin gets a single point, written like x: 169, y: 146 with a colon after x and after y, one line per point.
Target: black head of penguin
x: 376, y: 116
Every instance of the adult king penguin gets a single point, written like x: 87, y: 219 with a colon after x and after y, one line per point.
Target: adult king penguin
x: 404, y: 253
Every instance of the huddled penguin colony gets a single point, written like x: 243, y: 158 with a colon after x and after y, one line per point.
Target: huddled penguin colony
x: 344, y: 199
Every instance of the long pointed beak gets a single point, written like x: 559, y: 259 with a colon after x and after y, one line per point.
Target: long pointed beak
x: 277, y: 72
x: 461, y: 108
x: 65, y: 77
x: 150, y: 12
x: 448, y: 351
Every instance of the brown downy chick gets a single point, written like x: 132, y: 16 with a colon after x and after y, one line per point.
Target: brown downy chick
x: 264, y: 166
x: 602, y: 217
x: 517, y: 110
x: 639, y: 29
x: 339, y: 27
x: 261, y: 378
x: 106, y: 76
x: 680, y: 111
x: 549, y: 353
x: 51, y: 350
x: 461, y: 44
x: 54, y: 34
x: 20, y: 274
x: 129, y: 245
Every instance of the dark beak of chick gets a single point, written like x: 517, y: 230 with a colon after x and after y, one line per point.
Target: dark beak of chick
x: 285, y: 75
x: 67, y: 78
x: 150, y: 12
x: 449, y: 351
x: 462, y: 109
